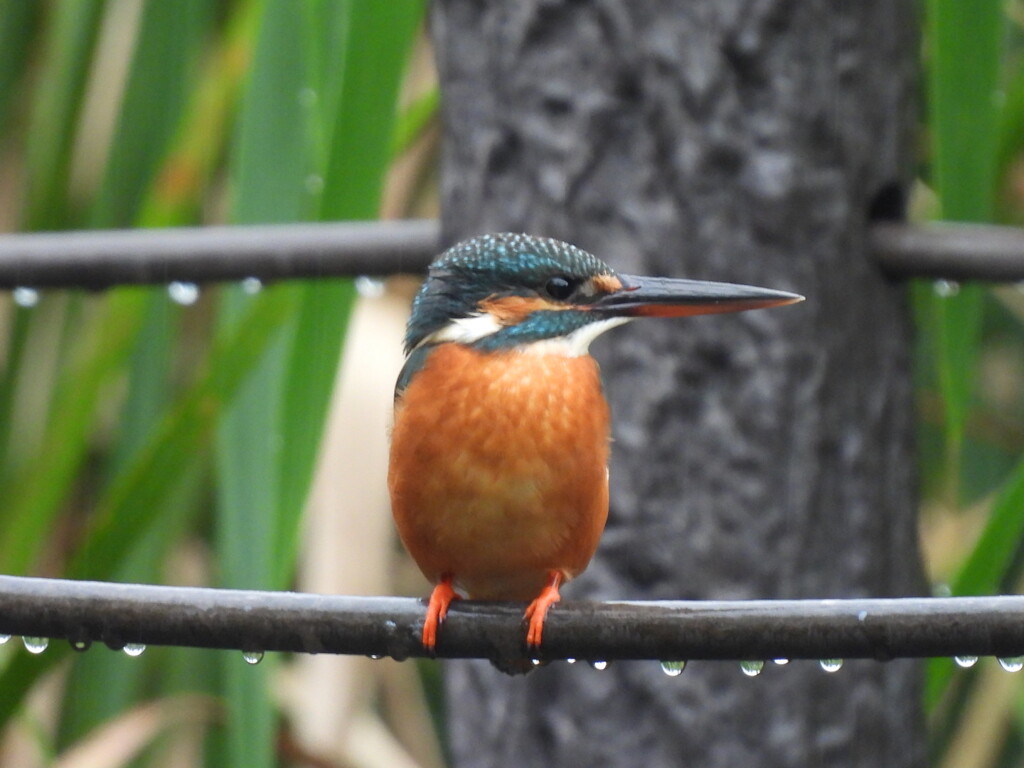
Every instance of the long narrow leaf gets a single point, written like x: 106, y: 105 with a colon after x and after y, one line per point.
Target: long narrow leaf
x: 54, y: 121
x: 135, y: 499
x: 378, y: 40
x: 982, y: 573
x: 195, y: 150
x: 17, y: 335
x: 18, y: 25
x: 129, y: 506
x: 33, y: 501
x: 965, y: 55
x: 273, y: 159
x: 167, y: 44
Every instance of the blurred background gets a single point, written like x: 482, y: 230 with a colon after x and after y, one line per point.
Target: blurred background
x: 235, y: 435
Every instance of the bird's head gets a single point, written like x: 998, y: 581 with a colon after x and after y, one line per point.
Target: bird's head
x: 506, y: 291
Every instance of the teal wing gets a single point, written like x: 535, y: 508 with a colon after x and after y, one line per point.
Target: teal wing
x: 413, y: 364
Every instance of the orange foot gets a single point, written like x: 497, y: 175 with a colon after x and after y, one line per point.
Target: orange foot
x: 437, y: 610
x: 538, y: 609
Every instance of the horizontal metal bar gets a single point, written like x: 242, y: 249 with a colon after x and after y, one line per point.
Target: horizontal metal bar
x: 984, y: 252
x: 100, y: 259
x: 117, y: 614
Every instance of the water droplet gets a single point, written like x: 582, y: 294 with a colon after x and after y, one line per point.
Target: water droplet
x: 252, y: 657
x: 185, y: 294
x: 673, y: 668
x: 536, y: 662
x: 600, y: 666
x: 944, y: 289
x: 1012, y: 663
x: 965, y: 661
x: 80, y: 645
x: 375, y: 656
x: 4, y: 639
x: 862, y: 616
x: 308, y: 97
x: 26, y: 297
x: 369, y: 287
x: 831, y: 665
x: 35, y: 644
x: 252, y: 285
x: 314, y: 184
x: 942, y: 590
x: 134, y: 649
x: 751, y: 668
x: 781, y: 662
x: 570, y: 661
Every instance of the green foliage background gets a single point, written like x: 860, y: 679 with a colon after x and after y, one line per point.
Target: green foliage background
x: 130, y: 425
x: 132, y: 428
x: 971, y: 363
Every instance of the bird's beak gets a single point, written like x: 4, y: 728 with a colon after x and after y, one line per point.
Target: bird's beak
x: 667, y: 297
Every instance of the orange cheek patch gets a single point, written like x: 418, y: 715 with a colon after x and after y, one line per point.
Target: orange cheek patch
x: 511, y: 310
x: 606, y: 283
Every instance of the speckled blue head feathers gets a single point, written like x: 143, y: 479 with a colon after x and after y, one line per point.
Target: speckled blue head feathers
x: 508, y: 291
x: 501, y: 265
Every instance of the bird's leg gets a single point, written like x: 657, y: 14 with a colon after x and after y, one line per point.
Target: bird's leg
x: 537, y: 611
x: 437, y: 610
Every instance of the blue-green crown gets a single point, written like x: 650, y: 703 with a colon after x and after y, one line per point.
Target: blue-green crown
x: 505, y: 264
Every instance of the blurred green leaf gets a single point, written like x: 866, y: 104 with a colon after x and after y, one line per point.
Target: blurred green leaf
x: 133, y: 498
x: 19, y: 22
x: 58, y: 96
x: 415, y: 119
x: 308, y: 378
x: 132, y: 504
x: 15, y: 345
x: 303, y: 109
x: 376, y: 46
x: 273, y: 160
x: 362, y: 136
x: 954, y: 324
x: 965, y: 53
x: 103, y: 684
x: 1011, y: 126
x: 984, y: 570
x: 965, y: 58
x: 35, y: 496
x: 168, y: 43
x: 192, y: 161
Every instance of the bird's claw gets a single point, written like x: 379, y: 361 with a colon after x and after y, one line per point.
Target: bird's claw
x: 437, y: 610
x: 537, y: 611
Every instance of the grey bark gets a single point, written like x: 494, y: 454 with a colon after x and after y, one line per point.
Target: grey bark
x: 767, y: 454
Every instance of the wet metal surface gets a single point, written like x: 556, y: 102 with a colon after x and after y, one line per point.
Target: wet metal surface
x: 118, y: 614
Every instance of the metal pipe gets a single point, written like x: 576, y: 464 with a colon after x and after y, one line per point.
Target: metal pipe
x: 100, y: 259
x: 951, y: 251
x: 116, y: 614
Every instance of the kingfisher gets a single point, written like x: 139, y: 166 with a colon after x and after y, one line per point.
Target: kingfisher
x: 498, y: 473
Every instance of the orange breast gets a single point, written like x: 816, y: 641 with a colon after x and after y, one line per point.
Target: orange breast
x: 498, y: 468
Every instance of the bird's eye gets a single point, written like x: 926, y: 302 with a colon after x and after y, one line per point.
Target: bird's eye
x: 559, y: 287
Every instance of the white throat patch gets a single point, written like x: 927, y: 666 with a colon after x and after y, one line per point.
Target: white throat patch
x: 575, y: 344
x: 464, y: 330
x: 467, y: 330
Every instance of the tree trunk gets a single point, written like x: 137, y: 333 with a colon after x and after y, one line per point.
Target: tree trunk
x: 766, y: 454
